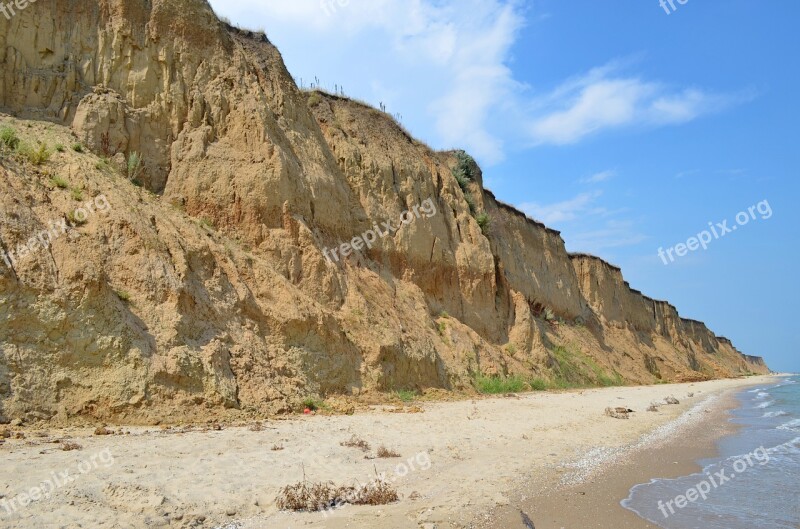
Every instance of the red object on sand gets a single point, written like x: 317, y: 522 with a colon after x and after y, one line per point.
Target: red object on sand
x: 307, y: 411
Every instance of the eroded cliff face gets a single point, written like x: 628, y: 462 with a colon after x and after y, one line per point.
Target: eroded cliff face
x: 212, y: 288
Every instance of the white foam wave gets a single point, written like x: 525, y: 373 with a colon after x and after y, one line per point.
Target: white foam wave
x: 762, y: 395
x: 770, y: 414
x: 765, y: 404
x: 791, y: 425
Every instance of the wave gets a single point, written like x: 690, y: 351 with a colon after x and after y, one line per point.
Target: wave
x: 756, y: 390
x: 762, y: 395
x: 770, y: 414
x: 765, y: 404
x: 793, y: 425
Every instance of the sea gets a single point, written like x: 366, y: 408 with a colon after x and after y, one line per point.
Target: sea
x: 755, y: 481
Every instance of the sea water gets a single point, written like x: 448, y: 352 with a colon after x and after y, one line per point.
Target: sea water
x: 753, y: 484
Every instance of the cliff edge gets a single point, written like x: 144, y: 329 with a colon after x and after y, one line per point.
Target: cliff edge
x: 219, y: 241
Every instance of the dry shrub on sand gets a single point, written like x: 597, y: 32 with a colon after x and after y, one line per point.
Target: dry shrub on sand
x: 385, y: 453
x: 653, y: 407
x: 309, y: 497
x: 672, y: 400
x: 356, y: 442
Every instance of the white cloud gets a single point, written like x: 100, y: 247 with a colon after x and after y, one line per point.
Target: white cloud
x: 599, y: 177
x: 605, y: 99
x: 565, y: 211
x: 439, y: 63
x: 444, y: 65
x: 585, y: 225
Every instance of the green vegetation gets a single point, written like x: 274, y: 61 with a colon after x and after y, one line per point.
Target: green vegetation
x: 496, y: 384
x: 314, y: 99
x: 75, y: 221
x: 35, y: 155
x: 77, y: 147
x: 59, y: 182
x: 77, y: 193
x: 406, y: 395
x: 123, y: 295
x: 483, y: 221
x: 314, y: 404
x: 511, y: 349
x: 538, y: 384
x: 470, y: 202
x: 60, y: 147
x: 134, y: 165
x: 9, y: 138
x: 574, y: 369
x: 464, y: 170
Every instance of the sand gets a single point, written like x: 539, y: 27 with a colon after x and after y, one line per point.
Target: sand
x: 477, y: 463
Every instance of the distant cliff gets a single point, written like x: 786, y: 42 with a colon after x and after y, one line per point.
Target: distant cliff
x: 209, y: 286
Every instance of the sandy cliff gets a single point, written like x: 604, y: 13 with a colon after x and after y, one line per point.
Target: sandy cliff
x: 205, y: 288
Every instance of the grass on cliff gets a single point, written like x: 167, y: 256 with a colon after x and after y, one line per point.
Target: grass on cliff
x: 573, y: 369
x: 494, y: 385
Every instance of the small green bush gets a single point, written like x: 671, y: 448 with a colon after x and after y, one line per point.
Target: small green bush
x: 35, y: 155
x: 406, y: 395
x: 483, y: 221
x: 9, y: 138
x: 77, y: 147
x: 77, y: 193
x: 59, y: 182
x: 134, y: 165
x: 470, y: 202
x: 313, y: 404
x: 60, y: 147
x: 123, y: 295
x: 495, y: 384
x: 538, y: 384
x: 314, y: 99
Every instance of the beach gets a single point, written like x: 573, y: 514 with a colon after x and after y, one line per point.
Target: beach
x: 475, y: 463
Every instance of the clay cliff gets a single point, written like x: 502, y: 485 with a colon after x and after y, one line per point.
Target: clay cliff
x: 203, y: 281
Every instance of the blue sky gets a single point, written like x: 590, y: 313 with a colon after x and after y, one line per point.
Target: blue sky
x: 627, y: 128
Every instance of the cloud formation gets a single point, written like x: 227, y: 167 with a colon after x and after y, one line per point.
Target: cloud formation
x: 605, y: 98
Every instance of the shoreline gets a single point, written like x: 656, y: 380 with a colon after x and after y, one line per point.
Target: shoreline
x: 599, y: 497
x: 462, y: 463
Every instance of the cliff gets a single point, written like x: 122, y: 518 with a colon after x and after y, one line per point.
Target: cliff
x: 208, y: 286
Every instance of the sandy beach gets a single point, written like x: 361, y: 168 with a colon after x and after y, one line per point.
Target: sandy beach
x: 475, y: 463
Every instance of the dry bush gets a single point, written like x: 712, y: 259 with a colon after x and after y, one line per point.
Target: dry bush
x: 305, y: 496
x: 309, y: 497
x: 276, y: 448
x: 653, y: 407
x: 375, y: 493
x: 385, y: 453
x: 356, y: 442
x: 672, y: 400
x: 68, y: 446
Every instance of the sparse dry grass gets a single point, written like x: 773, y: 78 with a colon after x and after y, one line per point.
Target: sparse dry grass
x: 310, y: 497
x: 356, y: 442
x: 385, y: 453
x: 68, y: 446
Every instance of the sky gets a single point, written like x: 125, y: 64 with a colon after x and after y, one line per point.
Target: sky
x: 628, y: 126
